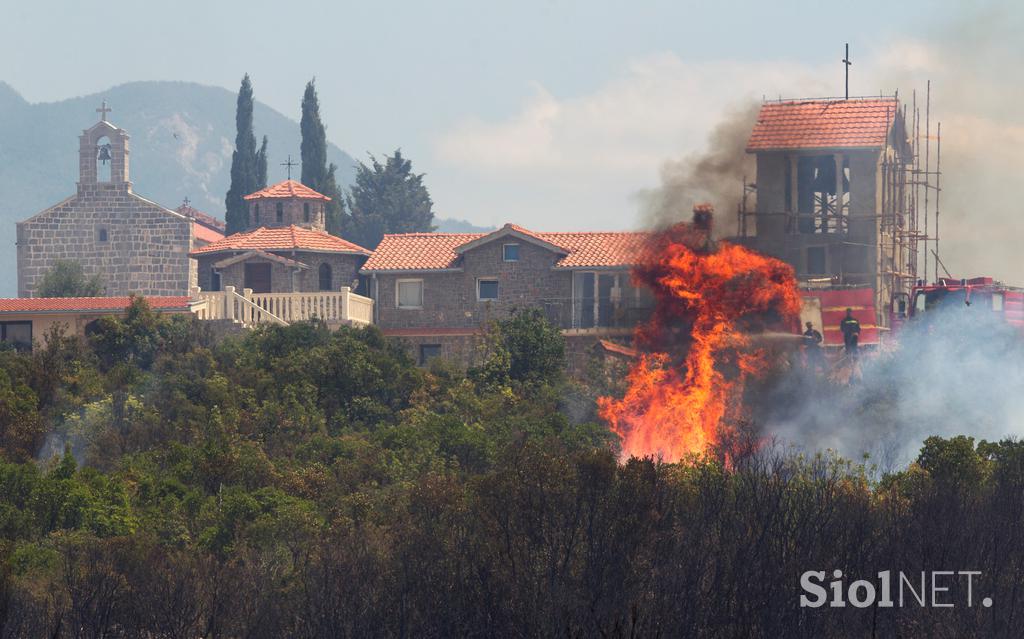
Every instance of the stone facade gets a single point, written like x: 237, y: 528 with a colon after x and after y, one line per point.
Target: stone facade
x: 134, y: 245
x: 300, y: 212
x: 452, y: 319
x: 284, y: 278
x: 450, y: 297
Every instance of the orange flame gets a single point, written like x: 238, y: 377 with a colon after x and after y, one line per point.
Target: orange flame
x: 682, y: 396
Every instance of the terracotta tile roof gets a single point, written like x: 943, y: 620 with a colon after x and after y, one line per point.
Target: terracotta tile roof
x: 205, y: 234
x: 430, y: 251
x: 823, y: 124
x: 281, y: 239
x: 288, y: 188
x: 418, y: 251
x: 87, y: 304
x: 601, y: 249
x: 202, y: 218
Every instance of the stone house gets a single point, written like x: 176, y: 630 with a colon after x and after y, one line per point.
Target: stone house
x: 133, y: 244
x: 285, y: 249
x: 437, y: 290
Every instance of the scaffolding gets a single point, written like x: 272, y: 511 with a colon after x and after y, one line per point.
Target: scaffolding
x: 910, y: 199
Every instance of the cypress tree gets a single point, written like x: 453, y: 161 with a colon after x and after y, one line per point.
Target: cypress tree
x: 243, y: 161
x: 261, y: 165
x: 316, y: 173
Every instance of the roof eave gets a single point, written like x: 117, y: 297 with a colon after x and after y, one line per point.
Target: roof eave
x: 410, y: 271
x: 98, y: 311
x: 792, y: 149
x: 204, y: 251
x: 606, y: 267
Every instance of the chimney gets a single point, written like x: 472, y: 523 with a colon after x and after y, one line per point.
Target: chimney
x: 703, y: 220
x: 703, y: 216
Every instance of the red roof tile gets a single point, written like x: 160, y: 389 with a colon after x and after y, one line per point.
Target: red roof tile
x: 205, y: 234
x: 89, y: 304
x: 430, y: 251
x: 281, y: 239
x: 823, y: 124
x: 202, y: 218
x: 288, y: 188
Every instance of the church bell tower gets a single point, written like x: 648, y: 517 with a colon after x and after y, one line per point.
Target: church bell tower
x: 103, y: 157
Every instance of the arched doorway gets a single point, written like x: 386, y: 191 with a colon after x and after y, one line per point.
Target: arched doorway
x: 325, y: 277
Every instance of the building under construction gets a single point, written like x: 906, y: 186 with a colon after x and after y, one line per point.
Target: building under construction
x: 847, y: 192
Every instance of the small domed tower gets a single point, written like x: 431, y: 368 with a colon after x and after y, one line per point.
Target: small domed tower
x: 285, y: 204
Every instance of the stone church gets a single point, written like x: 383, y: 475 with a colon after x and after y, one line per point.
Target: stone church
x: 133, y: 244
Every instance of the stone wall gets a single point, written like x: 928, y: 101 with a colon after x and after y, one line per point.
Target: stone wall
x: 146, y: 248
x: 344, y: 269
x: 450, y: 298
x: 263, y: 212
x: 582, y: 352
x: 464, y: 350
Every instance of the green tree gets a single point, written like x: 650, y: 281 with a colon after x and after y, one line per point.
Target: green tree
x: 524, y: 348
x: 261, y: 165
x: 386, y: 198
x: 316, y: 173
x: 67, y: 278
x: 244, y: 162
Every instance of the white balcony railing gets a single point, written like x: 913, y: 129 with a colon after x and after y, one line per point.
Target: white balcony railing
x: 250, y: 308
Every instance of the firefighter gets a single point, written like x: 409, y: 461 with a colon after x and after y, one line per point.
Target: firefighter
x: 812, y: 347
x: 851, y: 332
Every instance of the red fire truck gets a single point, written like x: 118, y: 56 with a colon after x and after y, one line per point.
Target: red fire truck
x: 826, y: 307
x: 980, y: 293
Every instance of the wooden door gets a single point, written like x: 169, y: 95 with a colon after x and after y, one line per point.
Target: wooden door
x: 257, y: 277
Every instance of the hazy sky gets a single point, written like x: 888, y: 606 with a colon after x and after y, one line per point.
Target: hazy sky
x: 551, y: 114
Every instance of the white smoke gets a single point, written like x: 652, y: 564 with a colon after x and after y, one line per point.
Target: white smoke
x: 960, y: 374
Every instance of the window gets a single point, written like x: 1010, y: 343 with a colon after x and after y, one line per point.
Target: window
x: 305, y: 211
x: 17, y: 334
x: 510, y: 252
x: 997, y: 301
x: 214, y: 280
x: 256, y: 214
x: 101, y: 235
x: 486, y: 290
x: 409, y: 294
x: 429, y: 352
x: 280, y: 213
x: 816, y: 260
x: 325, y: 277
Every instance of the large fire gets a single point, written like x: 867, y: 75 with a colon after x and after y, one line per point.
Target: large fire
x: 686, y: 390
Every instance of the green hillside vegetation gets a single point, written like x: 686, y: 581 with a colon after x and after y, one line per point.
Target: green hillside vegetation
x: 294, y: 482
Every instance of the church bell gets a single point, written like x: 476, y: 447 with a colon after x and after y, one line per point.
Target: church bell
x: 104, y: 153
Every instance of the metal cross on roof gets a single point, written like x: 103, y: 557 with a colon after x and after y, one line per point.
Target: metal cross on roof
x: 187, y: 201
x: 846, y: 66
x: 289, y: 164
x: 103, y: 111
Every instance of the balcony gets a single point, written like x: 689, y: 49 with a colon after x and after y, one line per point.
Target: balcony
x: 251, y: 309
